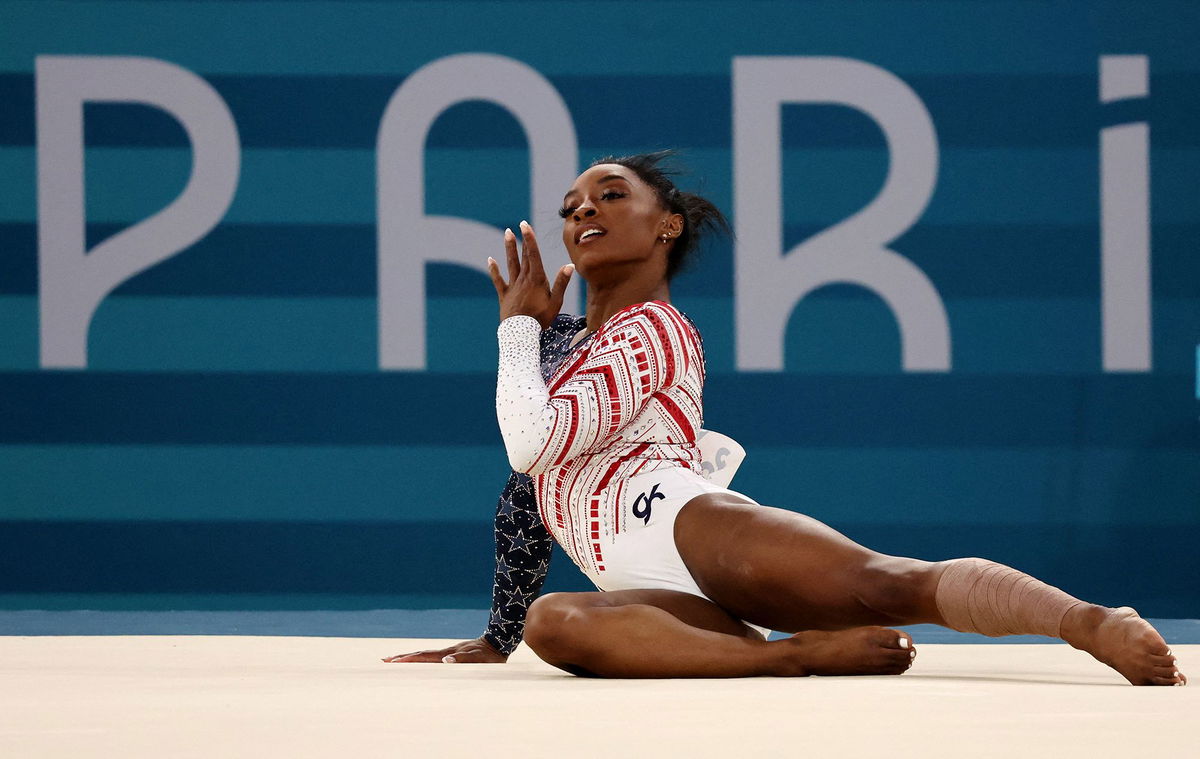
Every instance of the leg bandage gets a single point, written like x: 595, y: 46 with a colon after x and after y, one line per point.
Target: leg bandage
x: 975, y: 595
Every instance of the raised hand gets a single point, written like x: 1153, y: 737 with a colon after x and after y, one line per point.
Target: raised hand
x: 476, y: 651
x: 527, y: 291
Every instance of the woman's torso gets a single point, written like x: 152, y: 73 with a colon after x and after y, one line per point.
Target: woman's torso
x: 578, y: 499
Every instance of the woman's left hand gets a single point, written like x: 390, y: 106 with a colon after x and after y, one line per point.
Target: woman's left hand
x: 527, y: 291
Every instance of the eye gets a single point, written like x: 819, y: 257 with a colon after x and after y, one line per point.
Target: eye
x: 566, y: 211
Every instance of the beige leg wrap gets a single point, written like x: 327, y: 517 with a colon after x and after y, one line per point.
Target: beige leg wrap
x: 980, y: 596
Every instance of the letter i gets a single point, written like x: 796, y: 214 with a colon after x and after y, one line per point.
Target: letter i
x: 1125, y: 296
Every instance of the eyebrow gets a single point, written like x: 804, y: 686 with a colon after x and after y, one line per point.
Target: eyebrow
x: 602, y: 180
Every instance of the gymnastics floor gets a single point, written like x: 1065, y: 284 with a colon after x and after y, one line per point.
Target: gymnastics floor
x: 295, y: 696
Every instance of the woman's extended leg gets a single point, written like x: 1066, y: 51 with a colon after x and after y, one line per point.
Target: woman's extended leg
x: 665, y: 633
x: 790, y: 572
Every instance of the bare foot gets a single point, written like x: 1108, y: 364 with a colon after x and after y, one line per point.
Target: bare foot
x: 1124, y: 641
x: 857, y: 651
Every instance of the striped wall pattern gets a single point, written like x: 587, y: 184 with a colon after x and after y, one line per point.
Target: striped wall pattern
x: 233, y: 441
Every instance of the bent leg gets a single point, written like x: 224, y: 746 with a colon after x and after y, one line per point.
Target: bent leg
x: 790, y: 572
x: 662, y: 633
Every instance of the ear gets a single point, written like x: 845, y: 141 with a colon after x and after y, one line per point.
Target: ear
x: 672, y: 226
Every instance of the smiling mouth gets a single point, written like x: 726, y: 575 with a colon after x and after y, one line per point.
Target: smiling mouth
x: 590, y: 234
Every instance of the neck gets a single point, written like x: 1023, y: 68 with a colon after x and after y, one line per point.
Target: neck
x: 604, y: 301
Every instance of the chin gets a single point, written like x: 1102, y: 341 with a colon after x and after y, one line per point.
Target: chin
x: 584, y: 260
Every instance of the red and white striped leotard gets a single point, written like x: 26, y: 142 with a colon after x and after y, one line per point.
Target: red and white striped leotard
x: 627, y: 402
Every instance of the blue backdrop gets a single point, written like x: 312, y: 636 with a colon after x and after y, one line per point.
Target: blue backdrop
x: 234, y: 438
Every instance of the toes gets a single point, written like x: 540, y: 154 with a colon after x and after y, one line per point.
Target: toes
x: 899, y: 661
x: 1169, y: 673
x: 1154, y: 644
x: 893, y: 639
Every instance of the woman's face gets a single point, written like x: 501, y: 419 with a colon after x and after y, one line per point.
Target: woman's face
x: 612, y: 221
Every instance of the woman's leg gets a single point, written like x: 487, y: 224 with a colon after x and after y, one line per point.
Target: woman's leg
x: 664, y: 633
x: 790, y: 572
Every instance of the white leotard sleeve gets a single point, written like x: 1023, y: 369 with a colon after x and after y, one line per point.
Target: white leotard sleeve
x: 637, y: 353
x: 521, y: 394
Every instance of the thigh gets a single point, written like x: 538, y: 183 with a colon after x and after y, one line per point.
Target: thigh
x: 687, y: 608
x: 784, y: 570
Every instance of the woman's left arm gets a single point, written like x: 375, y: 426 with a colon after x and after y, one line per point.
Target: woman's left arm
x: 636, y: 355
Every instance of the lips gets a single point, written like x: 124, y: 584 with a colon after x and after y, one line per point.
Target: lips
x: 588, y: 232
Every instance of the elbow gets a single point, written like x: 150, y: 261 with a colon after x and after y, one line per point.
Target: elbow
x: 525, y: 461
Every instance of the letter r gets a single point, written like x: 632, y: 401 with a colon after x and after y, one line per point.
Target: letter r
x: 769, y: 282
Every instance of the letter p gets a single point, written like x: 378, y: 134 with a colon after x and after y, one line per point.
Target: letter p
x: 72, y: 280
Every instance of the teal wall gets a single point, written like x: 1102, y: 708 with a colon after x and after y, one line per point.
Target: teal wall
x: 233, y: 440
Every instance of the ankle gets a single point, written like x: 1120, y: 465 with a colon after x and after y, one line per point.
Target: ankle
x: 1080, y: 623
x: 791, y: 656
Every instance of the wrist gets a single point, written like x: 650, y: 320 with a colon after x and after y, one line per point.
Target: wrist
x: 493, y: 644
x: 519, y: 323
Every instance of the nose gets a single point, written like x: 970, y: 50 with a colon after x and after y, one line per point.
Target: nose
x: 585, y: 210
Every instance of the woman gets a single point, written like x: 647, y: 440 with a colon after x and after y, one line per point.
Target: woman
x: 602, y: 412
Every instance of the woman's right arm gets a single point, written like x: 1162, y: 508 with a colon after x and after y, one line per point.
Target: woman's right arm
x: 523, y: 548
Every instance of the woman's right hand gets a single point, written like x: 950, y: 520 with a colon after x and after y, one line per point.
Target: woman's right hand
x: 527, y: 291
x: 477, y: 651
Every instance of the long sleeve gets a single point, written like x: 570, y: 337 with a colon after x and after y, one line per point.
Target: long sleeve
x: 522, y: 545
x: 636, y: 354
x: 523, y: 548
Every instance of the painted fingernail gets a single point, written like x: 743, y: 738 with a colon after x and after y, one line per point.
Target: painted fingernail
x: 448, y: 659
x: 904, y: 643
x: 524, y: 223
x: 912, y: 654
x: 508, y: 232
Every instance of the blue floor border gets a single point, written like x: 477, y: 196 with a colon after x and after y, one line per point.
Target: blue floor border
x: 384, y: 623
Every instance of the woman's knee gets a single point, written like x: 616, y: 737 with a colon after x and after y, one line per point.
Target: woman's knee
x: 900, y: 589
x: 551, y: 621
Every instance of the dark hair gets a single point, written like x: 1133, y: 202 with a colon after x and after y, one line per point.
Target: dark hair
x: 700, y: 216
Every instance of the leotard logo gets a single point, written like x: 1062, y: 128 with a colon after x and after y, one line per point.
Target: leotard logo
x: 648, y: 498
x: 709, y: 468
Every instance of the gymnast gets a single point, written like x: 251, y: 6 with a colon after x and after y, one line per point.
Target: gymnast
x: 600, y: 416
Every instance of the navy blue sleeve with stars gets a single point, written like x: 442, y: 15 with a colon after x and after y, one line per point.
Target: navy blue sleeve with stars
x: 523, y: 544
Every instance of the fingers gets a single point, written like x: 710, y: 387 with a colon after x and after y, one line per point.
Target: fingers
x: 497, y: 280
x: 510, y: 253
x: 417, y: 657
x: 453, y: 655
x: 531, y: 255
x: 560, y: 286
x: 469, y: 656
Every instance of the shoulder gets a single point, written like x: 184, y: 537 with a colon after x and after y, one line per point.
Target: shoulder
x: 562, y: 329
x: 656, y: 317
x: 566, y: 324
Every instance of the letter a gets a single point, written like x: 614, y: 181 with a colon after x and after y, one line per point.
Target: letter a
x: 408, y: 237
